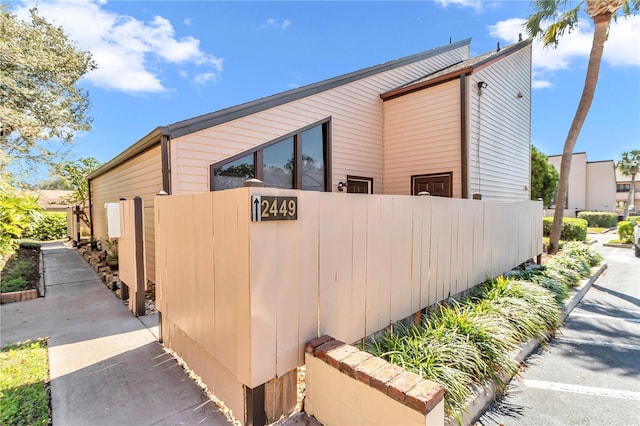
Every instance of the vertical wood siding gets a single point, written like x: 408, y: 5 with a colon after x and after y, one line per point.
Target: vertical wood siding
x: 357, y: 129
x: 499, y: 129
x: 251, y: 294
x: 422, y: 135
x: 140, y: 176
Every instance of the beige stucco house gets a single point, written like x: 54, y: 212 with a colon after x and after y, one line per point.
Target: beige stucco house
x: 592, y: 185
x: 437, y: 121
x: 623, y: 187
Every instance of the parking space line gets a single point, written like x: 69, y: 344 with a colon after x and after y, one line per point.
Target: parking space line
x: 601, y: 316
x: 584, y: 390
x: 596, y: 343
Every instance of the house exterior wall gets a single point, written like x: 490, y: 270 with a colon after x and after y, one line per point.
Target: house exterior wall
x: 422, y: 135
x: 141, y: 176
x: 356, y: 113
x: 622, y: 196
x: 577, y: 196
x: 601, y: 186
x: 499, y: 129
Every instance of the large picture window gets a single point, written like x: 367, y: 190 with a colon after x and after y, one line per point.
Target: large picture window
x: 297, y: 161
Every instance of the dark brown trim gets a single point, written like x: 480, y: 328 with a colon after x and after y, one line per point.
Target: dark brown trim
x: 328, y: 156
x: 425, y: 84
x: 90, y: 207
x: 139, y: 304
x: 428, y: 175
x: 254, y: 406
x: 258, y: 165
x: 297, y: 155
x: 464, y: 155
x: 361, y: 178
x: 166, y: 163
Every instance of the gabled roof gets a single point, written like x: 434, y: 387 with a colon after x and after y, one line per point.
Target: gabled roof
x: 205, y: 121
x: 453, y: 71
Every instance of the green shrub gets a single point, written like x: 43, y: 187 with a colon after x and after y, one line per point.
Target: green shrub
x: 573, y: 229
x: 625, y: 232
x: 16, y: 278
x: 635, y: 219
x: 50, y: 226
x: 599, y: 219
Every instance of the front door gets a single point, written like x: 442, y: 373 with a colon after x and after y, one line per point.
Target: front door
x: 436, y: 184
x: 359, y: 185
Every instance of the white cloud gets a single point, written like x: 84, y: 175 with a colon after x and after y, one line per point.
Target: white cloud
x: 276, y: 24
x: 293, y: 85
x: 622, y: 47
x: 474, y: 4
x: 187, y: 22
x: 125, y: 47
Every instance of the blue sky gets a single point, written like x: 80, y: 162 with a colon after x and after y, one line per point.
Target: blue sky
x: 162, y: 62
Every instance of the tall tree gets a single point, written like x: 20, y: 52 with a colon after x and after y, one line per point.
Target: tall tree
x: 75, y: 173
x: 40, y: 99
x: 628, y: 166
x: 544, y: 177
x: 549, y: 22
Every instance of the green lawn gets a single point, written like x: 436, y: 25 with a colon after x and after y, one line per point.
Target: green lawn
x: 24, y: 386
x: 593, y: 230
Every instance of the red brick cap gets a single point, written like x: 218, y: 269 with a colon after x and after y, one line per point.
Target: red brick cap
x: 384, y: 375
x: 424, y: 396
x: 311, y: 346
x: 349, y: 364
x: 400, y: 385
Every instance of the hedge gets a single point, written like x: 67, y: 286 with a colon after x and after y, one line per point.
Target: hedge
x: 599, y: 219
x: 51, y: 226
x: 572, y: 229
x: 635, y: 219
x: 625, y: 231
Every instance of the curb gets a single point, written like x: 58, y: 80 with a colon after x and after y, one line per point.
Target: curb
x: 485, y: 395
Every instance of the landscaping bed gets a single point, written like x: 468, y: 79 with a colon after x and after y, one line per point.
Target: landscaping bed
x: 470, y: 343
x: 21, y: 274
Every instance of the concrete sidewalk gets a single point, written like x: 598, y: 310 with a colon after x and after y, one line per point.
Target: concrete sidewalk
x: 106, y: 366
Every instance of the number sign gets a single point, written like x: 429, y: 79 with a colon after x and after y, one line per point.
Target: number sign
x: 266, y: 207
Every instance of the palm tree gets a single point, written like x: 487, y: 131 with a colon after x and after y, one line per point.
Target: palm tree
x: 628, y: 166
x: 549, y: 22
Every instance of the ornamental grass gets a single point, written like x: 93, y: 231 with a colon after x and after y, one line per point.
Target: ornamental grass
x: 469, y: 342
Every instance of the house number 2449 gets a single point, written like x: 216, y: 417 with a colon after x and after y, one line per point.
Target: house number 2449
x: 265, y: 208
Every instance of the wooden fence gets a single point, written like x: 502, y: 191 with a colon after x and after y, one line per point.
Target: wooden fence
x: 251, y: 294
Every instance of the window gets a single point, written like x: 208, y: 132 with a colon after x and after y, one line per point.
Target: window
x: 297, y: 161
x: 623, y: 187
x: 234, y: 173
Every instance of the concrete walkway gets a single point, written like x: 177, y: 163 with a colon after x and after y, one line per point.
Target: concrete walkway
x: 589, y: 373
x: 106, y: 366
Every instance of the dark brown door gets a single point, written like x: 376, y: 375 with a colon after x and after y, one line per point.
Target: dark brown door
x: 359, y: 185
x: 436, y: 184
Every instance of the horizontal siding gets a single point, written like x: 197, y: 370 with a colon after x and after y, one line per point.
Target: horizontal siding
x: 500, y: 129
x: 422, y: 135
x: 356, y: 128
x: 140, y: 176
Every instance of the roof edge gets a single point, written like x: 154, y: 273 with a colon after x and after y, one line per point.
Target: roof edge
x: 145, y: 142
x: 498, y: 55
x: 195, y: 124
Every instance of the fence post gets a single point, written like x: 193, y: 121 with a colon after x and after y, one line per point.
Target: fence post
x: 137, y: 305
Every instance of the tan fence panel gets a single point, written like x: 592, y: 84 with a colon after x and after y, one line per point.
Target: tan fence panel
x: 252, y: 293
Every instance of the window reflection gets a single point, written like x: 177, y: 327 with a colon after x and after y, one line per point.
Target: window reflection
x: 233, y: 174
x: 313, y: 175
x: 278, y: 164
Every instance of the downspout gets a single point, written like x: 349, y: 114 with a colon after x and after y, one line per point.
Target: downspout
x: 166, y: 162
x: 464, y: 154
